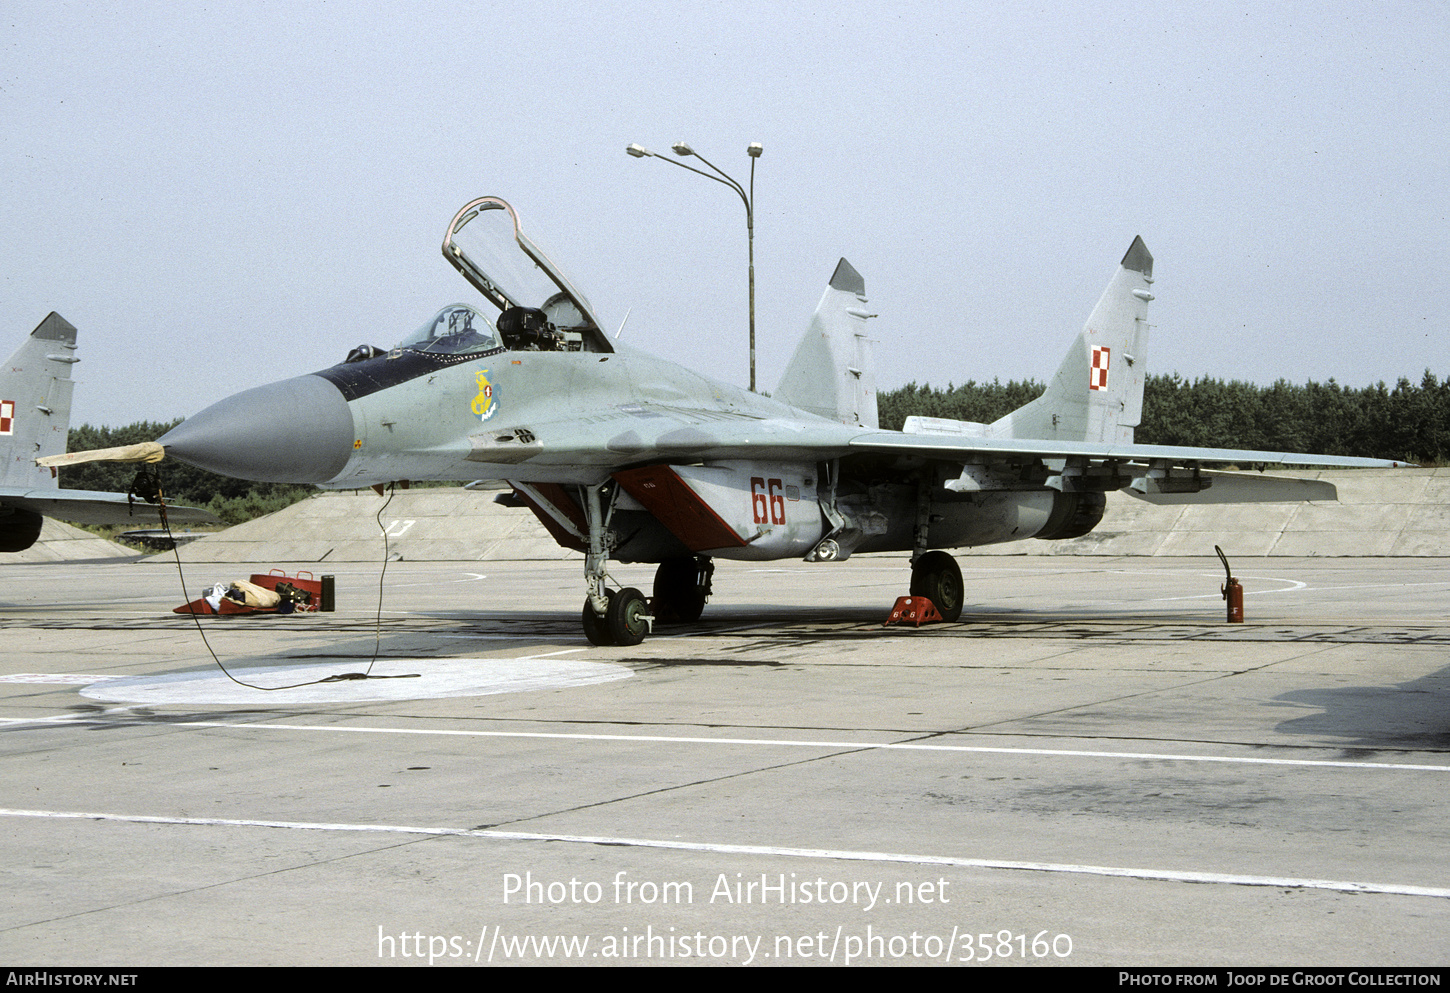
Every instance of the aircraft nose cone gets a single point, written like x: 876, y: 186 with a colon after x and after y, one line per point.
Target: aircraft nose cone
x: 295, y: 431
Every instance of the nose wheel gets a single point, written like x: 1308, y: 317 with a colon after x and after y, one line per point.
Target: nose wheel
x: 595, y: 628
x: 625, y: 622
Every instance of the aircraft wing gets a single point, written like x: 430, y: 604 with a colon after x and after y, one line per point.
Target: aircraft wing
x: 1161, y: 474
x: 964, y: 448
x: 662, y: 433
x: 97, y: 507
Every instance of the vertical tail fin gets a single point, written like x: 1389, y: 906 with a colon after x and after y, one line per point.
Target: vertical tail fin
x: 832, y: 373
x: 35, y: 396
x: 1097, y: 394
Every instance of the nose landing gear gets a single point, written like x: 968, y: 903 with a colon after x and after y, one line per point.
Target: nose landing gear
x: 610, y: 617
x: 625, y: 622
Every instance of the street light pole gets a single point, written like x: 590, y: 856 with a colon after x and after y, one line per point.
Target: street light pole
x: 754, y: 150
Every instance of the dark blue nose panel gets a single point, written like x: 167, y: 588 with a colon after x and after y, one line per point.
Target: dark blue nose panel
x: 296, y: 431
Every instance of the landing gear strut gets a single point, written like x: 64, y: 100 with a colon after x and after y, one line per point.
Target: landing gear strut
x: 610, y: 617
x: 935, y: 576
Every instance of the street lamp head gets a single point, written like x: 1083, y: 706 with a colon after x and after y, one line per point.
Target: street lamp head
x: 682, y: 149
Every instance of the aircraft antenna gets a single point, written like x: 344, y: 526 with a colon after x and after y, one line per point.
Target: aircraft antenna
x: 623, y: 323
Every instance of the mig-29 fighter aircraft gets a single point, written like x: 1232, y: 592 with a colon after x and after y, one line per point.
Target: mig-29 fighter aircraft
x: 626, y: 456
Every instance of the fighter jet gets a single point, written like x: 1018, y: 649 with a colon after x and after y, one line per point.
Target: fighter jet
x: 35, y: 396
x: 631, y: 458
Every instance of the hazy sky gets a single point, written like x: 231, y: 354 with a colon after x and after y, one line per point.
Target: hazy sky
x: 225, y: 195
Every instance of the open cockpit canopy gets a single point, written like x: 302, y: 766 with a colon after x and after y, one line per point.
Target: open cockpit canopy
x: 538, y: 307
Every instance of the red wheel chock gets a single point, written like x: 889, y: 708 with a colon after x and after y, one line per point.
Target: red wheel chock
x: 916, y: 610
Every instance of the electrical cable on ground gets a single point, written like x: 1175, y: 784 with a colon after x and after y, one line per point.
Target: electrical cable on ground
x: 147, y: 485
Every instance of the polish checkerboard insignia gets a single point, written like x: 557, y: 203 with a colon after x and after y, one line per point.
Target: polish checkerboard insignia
x: 1098, y: 375
x: 7, y: 417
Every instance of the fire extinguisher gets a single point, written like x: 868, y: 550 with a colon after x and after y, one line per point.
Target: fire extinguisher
x: 1232, y: 590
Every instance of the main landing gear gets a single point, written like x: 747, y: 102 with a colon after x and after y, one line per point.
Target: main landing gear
x: 935, y: 575
x: 681, y: 588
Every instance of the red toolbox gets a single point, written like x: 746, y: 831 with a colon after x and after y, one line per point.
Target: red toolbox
x: 318, y: 589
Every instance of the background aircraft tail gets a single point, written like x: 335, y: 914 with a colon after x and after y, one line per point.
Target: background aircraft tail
x: 832, y: 373
x: 1097, y: 394
x: 35, y: 397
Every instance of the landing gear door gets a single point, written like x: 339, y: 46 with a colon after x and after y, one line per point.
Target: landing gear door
x: 512, y: 270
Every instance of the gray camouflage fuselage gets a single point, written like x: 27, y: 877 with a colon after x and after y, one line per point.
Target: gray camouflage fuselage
x: 625, y: 456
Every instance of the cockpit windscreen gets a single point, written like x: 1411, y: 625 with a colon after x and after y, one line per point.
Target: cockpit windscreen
x: 457, y: 329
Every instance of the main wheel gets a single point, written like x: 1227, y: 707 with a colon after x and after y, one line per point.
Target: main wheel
x: 596, y: 628
x: 678, y: 594
x: 627, y: 617
x: 936, y: 577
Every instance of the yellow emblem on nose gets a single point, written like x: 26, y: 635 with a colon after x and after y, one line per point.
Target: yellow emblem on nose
x: 484, y: 404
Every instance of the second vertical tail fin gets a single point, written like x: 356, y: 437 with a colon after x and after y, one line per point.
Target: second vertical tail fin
x: 1097, y: 394
x: 35, y: 396
x: 831, y: 372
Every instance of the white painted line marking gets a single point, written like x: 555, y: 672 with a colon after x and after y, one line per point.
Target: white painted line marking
x: 56, y: 678
x: 1168, y: 875
x: 301, y: 683
x: 1376, y: 586
x: 531, y: 638
x: 468, y: 577
x: 1294, y: 587
x: 64, y: 718
x: 807, y: 743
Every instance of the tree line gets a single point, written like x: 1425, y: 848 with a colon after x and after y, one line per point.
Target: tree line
x: 1406, y: 422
